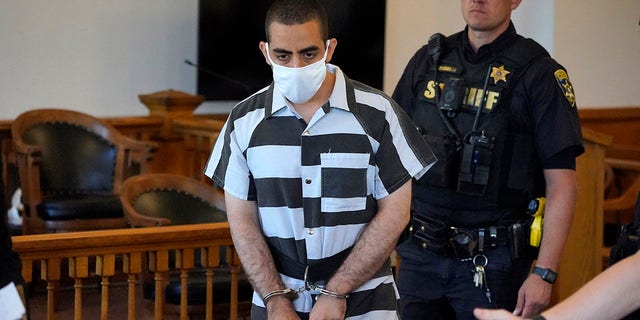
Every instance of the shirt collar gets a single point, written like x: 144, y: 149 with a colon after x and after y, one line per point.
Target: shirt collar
x: 490, y: 50
x: 337, y: 99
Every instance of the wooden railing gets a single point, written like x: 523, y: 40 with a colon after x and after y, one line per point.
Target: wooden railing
x: 141, y: 128
x: 137, y: 251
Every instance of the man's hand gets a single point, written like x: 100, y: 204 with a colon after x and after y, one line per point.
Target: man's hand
x: 279, y: 307
x: 494, y: 314
x: 533, y: 297
x: 328, y: 308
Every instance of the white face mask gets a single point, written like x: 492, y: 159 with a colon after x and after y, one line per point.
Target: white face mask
x: 299, y: 85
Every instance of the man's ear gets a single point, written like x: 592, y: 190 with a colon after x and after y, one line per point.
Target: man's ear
x: 515, y: 4
x: 332, y: 47
x: 263, y: 48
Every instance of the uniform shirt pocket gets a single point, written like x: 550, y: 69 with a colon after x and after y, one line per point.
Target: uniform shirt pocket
x: 344, y: 181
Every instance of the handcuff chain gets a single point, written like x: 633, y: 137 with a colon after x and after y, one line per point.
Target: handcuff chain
x: 312, y: 287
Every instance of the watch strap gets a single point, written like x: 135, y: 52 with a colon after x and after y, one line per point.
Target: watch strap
x: 546, y: 274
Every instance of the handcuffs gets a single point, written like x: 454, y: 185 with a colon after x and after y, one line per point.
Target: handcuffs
x: 292, y: 294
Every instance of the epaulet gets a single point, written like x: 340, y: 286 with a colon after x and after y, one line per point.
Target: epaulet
x: 453, y: 40
x: 524, y: 52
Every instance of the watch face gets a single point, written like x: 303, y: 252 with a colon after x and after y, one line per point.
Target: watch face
x: 550, y: 276
x: 547, y: 275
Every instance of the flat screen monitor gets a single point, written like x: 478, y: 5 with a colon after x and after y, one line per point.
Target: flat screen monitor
x: 231, y: 66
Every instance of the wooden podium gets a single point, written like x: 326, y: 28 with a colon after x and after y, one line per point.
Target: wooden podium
x: 170, y: 105
x: 582, y: 256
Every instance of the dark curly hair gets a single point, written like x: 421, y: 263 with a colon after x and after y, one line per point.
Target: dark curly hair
x: 290, y: 12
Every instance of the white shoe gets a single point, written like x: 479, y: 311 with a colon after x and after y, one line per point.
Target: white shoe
x: 13, y: 217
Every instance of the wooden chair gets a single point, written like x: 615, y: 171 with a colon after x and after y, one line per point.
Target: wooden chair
x: 623, y: 176
x: 622, y: 187
x: 162, y: 199
x: 71, y: 167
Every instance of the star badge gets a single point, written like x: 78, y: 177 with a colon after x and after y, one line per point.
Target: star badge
x: 499, y: 74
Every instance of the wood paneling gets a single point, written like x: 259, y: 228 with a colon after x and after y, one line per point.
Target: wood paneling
x: 622, y: 124
x: 582, y: 257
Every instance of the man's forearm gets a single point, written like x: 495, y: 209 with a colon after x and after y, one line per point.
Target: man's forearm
x: 257, y: 261
x: 610, y: 295
x: 560, y: 205
x: 251, y: 246
x: 375, y: 243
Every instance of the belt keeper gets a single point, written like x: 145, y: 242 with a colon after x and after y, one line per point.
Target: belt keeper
x: 332, y: 294
x: 288, y: 291
x: 493, y: 235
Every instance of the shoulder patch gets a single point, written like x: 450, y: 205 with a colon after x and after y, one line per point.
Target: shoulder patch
x: 565, y: 85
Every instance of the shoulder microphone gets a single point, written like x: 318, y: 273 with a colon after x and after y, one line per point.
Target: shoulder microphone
x: 434, y: 46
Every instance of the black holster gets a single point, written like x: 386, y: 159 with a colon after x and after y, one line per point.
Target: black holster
x: 433, y: 235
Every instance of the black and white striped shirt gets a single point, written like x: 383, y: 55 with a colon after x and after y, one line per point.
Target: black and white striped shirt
x: 316, y: 184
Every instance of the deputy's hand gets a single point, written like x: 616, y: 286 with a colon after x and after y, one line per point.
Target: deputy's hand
x: 494, y: 314
x: 533, y: 297
x: 328, y: 308
x: 280, y: 307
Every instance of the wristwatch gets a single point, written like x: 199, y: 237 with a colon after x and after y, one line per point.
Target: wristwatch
x: 547, y: 275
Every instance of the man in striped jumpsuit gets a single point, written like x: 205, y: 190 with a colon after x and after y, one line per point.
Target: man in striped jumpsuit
x: 317, y: 173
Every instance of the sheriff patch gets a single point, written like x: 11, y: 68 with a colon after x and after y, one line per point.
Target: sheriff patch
x: 565, y: 85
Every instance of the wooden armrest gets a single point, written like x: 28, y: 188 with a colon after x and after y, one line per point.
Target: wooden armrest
x: 139, y: 152
x: 623, y: 151
x: 146, y: 221
x: 627, y: 198
x: 143, y: 147
x: 624, y: 164
x: 26, y: 149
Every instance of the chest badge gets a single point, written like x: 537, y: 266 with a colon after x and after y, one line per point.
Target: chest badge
x: 565, y: 86
x: 499, y: 74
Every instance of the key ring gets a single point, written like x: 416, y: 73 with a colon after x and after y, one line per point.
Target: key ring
x: 485, y: 260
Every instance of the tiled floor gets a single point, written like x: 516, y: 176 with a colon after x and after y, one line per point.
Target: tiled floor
x: 91, y: 303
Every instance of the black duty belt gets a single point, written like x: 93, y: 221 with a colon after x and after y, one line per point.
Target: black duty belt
x: 317, y: 272
x: 446, y: 240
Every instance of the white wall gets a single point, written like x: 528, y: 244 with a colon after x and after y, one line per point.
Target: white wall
x: 98, y: 56
x: 409, y: 25
x: 535, y: 19
x: 411, y: 22
x: 597, y: 41
x: 93, y: 55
